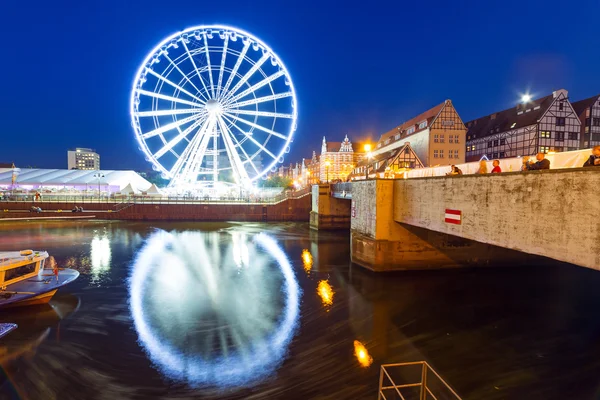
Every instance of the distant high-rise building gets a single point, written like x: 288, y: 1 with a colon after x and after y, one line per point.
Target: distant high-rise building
x: 82, y: 158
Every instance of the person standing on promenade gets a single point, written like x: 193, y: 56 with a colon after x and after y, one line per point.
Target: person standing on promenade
x: 542, y: 163
x: 594, y: 160
x: 496, y: 169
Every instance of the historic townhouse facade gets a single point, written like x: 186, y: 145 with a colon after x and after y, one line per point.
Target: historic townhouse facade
x: 542, y: 125
x: 338, y: 159
x: 588, y: 111
x: 437, y: 136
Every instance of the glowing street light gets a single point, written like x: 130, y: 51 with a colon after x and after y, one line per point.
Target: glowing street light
x: 526, y: 98
x: 327, y: 165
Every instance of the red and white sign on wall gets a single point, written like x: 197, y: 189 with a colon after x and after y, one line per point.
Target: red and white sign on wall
x: 353, y: 209
x: 453, y: 216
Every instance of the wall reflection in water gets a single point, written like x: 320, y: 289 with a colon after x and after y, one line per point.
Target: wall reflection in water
x: 214, y: 308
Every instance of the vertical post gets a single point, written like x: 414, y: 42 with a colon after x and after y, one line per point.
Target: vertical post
x: 423, y: 383
x: 380, y: 383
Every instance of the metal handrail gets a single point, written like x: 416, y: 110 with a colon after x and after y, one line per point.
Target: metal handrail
x: 425, y: 391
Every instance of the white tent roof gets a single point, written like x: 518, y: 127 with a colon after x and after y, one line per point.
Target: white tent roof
x: 128, y: 190
x: 153, y: 191
x: 66, y: 177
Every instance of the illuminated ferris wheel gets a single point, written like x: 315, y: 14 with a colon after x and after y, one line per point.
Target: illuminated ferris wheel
x: 213, y: 104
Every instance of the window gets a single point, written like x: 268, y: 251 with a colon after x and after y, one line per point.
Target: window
x: 456, y: 137
x: 545, y: 134
x: 560, y: 136
x: 455, y: 153
x: 423, y: 125
x: 572, y: 148
x: 573, y: 136
x: 495, y: 142
x: 410, y: 130
x: 397, y: 137
x: 502, y: 154
x: 596, y: 122
x: 387, y: 141
x: 442, y: 139
x: 560, y: 121
x: 561, y: 106
x: 490, y: 143
x: 436, y: 154
x: 441, y: 153
x: 451, y: 139
x: 436, y: 138
x: 513, y: 125
x: 544, y: 149
x: 558, y: 149
x: 495, y: 155
x: 502, y: 142
x: 18, y: 272
x: 473, y: 147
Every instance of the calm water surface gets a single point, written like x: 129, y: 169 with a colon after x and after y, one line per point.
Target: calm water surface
x: 211, y: 311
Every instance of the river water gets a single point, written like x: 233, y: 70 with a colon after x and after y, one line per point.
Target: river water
x: 234, y: 311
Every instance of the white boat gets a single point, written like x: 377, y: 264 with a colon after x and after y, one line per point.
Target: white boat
x: 25, y: 281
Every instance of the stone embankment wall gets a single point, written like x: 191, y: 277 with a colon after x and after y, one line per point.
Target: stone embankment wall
x: 287, y: 210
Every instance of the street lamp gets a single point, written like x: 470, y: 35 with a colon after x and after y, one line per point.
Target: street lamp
x: 98, y: 176
x: 327, y: 165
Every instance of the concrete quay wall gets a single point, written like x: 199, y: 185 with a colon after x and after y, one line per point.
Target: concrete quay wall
x: 551, y: 213
x: 287, y: 210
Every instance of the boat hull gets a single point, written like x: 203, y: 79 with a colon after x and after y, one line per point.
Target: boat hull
x: 36, y: 290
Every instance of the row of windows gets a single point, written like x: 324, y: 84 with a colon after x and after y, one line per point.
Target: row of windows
x: 451, y: 139
x: 440, y: 154
x: 595, y: 121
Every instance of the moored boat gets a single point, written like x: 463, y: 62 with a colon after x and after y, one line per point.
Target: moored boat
x: 25, y: 281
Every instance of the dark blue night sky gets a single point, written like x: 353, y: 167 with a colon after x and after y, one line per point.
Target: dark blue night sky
x: 359, y: 67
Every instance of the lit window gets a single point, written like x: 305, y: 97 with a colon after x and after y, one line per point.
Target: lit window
x: 545, y: 134
x: 436, y: 154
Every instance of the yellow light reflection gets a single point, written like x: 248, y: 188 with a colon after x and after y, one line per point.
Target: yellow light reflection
x: 307, y: 260
x: 325, y: 292
x: 362, y: 355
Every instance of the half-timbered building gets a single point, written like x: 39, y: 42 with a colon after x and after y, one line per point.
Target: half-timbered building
x: 543, y: 125
x: 437, y: 136
x: 588, y: 111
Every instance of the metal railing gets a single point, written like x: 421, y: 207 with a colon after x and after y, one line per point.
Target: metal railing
x: 124, y: 201
x: 412, y: 381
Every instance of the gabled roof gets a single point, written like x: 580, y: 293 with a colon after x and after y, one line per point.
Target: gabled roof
x: 581, y: 105
x: 513, y: 118
x: 428, y: 115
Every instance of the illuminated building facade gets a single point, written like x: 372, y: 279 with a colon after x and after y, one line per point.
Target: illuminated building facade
x: 82, y: 158
x: 542, y: 125
x: 588, y: 111
x: 436, y: 136
x: 337, y: 160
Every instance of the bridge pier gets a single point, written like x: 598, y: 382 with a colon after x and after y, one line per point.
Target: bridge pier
x: 328, y: 213
x: 381, y: 244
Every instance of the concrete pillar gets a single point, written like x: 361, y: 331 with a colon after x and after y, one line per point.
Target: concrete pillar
x: 328, y: 212
x: 381, y: 244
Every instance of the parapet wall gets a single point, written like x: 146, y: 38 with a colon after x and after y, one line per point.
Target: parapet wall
x: 552, y: 213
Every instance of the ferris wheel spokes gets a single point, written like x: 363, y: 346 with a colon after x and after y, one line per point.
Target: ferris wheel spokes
x: 233, y: 125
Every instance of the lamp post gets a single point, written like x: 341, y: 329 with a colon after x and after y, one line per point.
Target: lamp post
x: 327, y: 165
x: 98, y: 176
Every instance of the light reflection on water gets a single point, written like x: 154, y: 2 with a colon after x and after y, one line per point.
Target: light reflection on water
x: 214, y: 308
x: 100, y: 255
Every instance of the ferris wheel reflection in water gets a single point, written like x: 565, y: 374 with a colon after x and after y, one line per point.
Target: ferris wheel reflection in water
x: 214, y: 308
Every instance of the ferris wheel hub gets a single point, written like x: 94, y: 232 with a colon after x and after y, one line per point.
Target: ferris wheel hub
x: 213, y: 107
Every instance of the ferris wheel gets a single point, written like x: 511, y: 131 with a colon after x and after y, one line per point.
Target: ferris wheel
x: 213, y: 104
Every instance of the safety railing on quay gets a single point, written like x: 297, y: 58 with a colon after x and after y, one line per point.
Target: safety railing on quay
x: 413, y: 381
x: 126, y: 201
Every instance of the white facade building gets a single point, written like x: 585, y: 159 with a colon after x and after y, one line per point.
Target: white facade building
x: 83, y: 158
